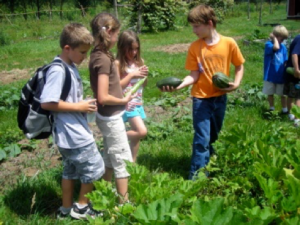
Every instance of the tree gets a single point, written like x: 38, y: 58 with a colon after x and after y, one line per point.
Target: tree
x: 156, y: 14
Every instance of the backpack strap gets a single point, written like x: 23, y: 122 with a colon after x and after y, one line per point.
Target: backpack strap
x: 67, y: 84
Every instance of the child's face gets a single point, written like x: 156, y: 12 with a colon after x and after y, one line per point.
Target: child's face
x: 201, y: 30
x: 113, y: 37
x: 78, y: 54
x: 280, y: 39
x: 132, y: 51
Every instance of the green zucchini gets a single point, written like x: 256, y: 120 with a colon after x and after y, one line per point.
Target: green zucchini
x: 220, y: 80
x: 290, y: 70
x: 136, y: 86
x: 168, y: 81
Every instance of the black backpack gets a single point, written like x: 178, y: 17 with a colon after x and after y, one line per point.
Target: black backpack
x: 35, y: 122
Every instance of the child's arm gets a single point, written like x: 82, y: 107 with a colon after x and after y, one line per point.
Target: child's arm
x: 239, y: 72
x: 62, y: 106
x: 104, y: 98
x: 140, y: 73
x: 296, y: 66
x: 276, y: 45
x: 188, y: 80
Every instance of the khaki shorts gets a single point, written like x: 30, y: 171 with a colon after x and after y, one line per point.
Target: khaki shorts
x: 270, y: 88
x: 116, y: 146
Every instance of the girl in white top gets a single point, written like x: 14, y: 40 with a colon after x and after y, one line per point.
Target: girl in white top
x: 131, y: 69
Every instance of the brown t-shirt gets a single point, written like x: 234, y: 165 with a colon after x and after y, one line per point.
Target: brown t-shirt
x: 100, y: 63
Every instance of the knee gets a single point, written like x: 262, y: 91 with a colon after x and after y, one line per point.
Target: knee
x: 143, y: 133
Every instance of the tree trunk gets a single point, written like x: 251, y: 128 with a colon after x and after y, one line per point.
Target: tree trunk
x: 139, y: 19
x: 50, y: 6
x: 24, y: 6
x: 116, y: 8
x: 38, y: 6
x: 260, y: 12
x: 271, y: 7
x: 248, y: 12
x: 61, y: 7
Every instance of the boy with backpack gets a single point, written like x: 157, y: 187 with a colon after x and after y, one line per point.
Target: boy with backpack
x: 81, y: 158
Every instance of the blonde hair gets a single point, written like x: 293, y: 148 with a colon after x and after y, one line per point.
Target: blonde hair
x: 100, y: 25
x: 201, y: 14
x: 125, y: 41
x: 75, y: 34
x: 280, y: 31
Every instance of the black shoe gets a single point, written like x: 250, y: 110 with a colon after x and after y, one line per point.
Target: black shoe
x: 83, y: 213
x: 61, y: 215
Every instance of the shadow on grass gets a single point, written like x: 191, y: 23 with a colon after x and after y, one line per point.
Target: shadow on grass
x: 36, y: 195
x: 273, y: 115
x: 170, y: 163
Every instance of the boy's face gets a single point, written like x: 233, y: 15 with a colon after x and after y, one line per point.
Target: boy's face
x: 201, y: 30
x: 78, y: 54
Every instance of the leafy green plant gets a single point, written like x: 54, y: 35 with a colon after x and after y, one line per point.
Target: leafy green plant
x: 4, y: 39
x: 9, y: 98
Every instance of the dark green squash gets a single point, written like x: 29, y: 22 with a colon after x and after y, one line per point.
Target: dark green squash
x: 169, y: 81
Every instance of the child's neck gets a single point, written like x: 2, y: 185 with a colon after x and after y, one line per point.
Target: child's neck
x: 130, y: 62
x: 213, y: 38
x: 65, y: 58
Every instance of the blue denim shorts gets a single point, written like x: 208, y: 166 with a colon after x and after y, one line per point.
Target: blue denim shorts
x: 137, y: 111
x: 83, y: 163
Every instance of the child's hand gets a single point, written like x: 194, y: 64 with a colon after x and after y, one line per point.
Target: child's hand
x: 128, y: 97
x: 167, y: 89
x: 88, y: 106
x: 272, y: 36
x: 144, y: 69
x: 232, y: 87
x: 140, y: 73
x: 297, y: 74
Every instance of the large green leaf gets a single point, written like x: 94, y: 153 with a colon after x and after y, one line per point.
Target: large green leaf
x: 214, y: 212
x: 261, y: 216
x: 161, y: 211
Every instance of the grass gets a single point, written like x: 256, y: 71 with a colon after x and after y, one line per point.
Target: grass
x: 167, y: 147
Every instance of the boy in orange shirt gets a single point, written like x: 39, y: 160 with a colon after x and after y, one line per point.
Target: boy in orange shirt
x: 209, y: 54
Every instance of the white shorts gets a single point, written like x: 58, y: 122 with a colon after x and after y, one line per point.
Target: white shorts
x: 116, y: 146
x: 270, y: 88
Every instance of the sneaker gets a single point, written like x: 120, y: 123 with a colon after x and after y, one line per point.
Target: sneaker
x: 291, y: 116
x: 83, y: 213
x: 61, y: 215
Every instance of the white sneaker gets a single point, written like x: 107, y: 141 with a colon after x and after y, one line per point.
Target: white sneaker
x: 291, y: 116
x: 297, y: 122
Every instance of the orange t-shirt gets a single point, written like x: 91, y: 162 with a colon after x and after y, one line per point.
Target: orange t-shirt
x: 209, y: 60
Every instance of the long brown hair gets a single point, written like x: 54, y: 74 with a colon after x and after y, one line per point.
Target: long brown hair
x: 100, y: 25
x: 125, y: 41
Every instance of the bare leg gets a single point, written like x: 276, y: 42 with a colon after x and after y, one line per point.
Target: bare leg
x: 283, y: 101
x: 108, y: 174
x: 122, y: 188
x: 84, y: 189
x: 137, y: 132
x: 67, y: 192
x: 297, y: 102
x: 271, y: 100
x: 289, y: 103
